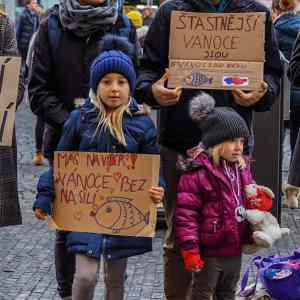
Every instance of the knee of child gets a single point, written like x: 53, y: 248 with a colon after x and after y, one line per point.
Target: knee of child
x: 87, y: 279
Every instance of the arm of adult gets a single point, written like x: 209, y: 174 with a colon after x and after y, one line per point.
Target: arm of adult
x: 45, y: 190
x: 294, y: 65
x: 151, y: 85
x: 42, y: 95
x: 263, y: 98
x: 10, y: 49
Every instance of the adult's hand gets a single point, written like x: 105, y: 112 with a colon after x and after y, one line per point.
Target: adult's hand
x: 249, y: 98
x: 165, y: 96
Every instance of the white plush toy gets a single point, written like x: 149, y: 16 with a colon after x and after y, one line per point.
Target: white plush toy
x: 266, y: 229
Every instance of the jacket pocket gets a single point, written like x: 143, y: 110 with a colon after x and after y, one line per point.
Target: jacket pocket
x: 212, y: 232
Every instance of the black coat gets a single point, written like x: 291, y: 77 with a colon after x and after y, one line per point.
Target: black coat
x: 59, y: 78
x: 294, y: 66
x: 177, y: 131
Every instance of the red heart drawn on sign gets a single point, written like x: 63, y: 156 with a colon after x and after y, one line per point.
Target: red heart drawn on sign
x: 78, y: 215
x: 117, y: 176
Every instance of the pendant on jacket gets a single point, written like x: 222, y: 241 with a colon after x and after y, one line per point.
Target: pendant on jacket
x: 240, y: 214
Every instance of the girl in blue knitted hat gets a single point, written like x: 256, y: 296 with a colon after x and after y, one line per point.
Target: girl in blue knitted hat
x: 109, y: 121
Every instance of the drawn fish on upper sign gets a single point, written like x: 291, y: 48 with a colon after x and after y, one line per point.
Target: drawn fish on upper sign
x: 119, y: 214
x: 197, y: 79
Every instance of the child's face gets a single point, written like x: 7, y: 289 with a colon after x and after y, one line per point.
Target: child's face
x: 232, y: 150
x: 113, y: 90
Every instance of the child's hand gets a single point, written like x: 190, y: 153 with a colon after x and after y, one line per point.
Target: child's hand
x: 156, y: 194
x: 40, y: 214
x: 192, y: 261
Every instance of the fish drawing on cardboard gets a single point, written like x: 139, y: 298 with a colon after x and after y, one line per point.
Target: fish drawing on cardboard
x: 119, y: 214
x: 197, y: 79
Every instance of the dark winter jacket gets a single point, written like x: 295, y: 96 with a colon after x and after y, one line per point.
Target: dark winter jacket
x: 27, y: 26
x: 294, y: 65
x: 287, y: 27
x: 205, y: 210
x: 61, y: 75
x: 140, y: 136
x: 177, y: 131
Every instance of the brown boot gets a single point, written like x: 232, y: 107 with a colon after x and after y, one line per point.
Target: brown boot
x: 38, y: 159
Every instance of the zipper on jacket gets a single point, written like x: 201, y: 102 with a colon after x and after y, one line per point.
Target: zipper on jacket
x: 88, y: 39
x: 215, y: 226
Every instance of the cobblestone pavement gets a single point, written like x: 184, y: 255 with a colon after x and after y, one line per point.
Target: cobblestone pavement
x: 26, y: 251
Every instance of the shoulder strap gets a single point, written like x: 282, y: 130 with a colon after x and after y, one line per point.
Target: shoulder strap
x: 54, y: 32
x: 250, y: 291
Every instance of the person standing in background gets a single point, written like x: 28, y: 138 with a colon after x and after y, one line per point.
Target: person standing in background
x: 148, y: 16
x: 10, y: 213
x: 69, y: 39
x: 27, y: 26
x: 177, y: 132
x: 136, y: 18
x: 287, y: 26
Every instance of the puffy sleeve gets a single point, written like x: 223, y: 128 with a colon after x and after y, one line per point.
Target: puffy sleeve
x: 189, y: 203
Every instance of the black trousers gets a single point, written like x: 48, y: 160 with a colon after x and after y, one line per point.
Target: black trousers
x: 64, y: 265
x: 39, y: 134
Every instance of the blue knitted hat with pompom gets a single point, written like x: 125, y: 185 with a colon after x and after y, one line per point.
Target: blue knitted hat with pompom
x: 112, y: 61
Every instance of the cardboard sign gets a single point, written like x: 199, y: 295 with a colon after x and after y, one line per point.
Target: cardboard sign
x: 9, y: 83
x: 105, y: 193
x: 216, y: 51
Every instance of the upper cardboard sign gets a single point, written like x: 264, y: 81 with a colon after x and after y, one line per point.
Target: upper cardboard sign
x: 208, y: 37
x: 105, y: 193
x: 9, y: 83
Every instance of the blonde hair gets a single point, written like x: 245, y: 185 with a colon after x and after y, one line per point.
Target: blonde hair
x: 216, y: 153
x: 112, y: 120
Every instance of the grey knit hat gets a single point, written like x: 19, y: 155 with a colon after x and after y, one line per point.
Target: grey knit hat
x: 217, y: 124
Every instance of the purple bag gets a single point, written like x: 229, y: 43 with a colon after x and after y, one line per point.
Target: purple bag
x: 279, y: 275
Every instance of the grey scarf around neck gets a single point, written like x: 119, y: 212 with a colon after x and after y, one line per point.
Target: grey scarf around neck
x: 84, y: 20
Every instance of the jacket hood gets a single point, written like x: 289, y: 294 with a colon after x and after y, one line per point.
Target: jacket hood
x: 196, y: 159
x: 288, y: 24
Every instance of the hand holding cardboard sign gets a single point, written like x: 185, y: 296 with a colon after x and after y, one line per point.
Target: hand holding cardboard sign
x: 163, y: 95
x: 40, y: 214
x: 156, y: 194
x: 249, y: 98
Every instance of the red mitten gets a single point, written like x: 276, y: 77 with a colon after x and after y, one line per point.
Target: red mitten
x: 192, y: 260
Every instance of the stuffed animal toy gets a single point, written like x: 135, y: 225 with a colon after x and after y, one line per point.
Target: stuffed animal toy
x: 266, y: 229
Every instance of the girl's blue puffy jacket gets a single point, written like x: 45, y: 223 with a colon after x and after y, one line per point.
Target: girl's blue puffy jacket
x: 140, y: 135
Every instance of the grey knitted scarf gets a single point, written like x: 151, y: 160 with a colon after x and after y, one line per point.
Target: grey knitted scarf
x: 83, y: 20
